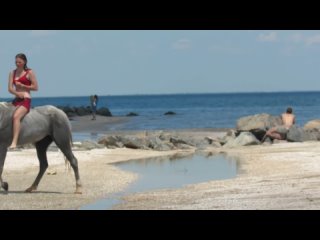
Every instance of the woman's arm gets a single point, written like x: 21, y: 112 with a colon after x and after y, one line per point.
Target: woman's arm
x: 34, y: 82
x: 11, y: 88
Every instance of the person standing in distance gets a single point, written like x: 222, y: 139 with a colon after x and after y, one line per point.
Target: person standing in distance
x: 94, y: 107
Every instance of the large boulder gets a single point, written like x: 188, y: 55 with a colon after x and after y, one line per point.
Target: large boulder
x: 157, y: 144
x: 104, y: 112
x: 89, y: 145
x: 134, y: 142
x: 262, y: 121
x: 313, y: 124
x: 82, y: 111
x: 244, y: 139
x: 111, y: 141
x: 296, y: 134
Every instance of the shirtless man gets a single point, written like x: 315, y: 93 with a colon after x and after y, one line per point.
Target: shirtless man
x: 279, y: 132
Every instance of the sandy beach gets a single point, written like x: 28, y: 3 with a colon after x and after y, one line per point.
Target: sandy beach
x: 280, y: 176
x: 55, y: 191
x: 277, y: 176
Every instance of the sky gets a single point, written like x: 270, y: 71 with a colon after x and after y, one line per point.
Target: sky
x: 121, y: 62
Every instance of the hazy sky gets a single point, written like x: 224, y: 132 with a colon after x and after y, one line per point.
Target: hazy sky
x: 79, y: 63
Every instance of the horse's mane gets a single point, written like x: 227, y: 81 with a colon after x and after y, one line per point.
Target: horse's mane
x: 5, y: 105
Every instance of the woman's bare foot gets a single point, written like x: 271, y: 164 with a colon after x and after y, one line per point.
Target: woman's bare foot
x: 12, y: 146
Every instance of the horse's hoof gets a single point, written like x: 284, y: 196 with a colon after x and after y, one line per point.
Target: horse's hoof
x: 78, y: 190
x: 30, y: 189
x: 5, y: 186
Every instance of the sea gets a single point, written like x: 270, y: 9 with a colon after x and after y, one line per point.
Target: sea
x: 195, y: 111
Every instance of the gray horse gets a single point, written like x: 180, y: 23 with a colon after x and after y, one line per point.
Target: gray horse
x: 41, y: 126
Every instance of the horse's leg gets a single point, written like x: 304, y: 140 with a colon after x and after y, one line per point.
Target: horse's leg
x: 3, y: 154
x: 41, y: 147
x: 65, y: 147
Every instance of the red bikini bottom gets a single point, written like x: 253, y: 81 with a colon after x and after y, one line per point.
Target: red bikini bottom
x: 26, y: 102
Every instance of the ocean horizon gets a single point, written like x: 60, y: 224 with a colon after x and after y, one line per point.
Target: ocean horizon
x: 161, y: 94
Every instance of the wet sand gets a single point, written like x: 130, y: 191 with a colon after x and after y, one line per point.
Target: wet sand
x: 100, y: 125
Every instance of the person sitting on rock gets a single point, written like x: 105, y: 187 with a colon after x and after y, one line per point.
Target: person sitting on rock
x: 280, y: 132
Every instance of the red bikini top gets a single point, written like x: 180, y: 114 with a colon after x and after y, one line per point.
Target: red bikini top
x: 23, y: 79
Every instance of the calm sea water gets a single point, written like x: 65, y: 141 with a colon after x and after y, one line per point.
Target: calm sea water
x: 196, y: 110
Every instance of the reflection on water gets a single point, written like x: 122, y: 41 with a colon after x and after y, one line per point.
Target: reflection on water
x: 171, y: 172
x: 179, y: 170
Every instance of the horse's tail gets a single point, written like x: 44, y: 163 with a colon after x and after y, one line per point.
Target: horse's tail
x: 67, y: 163
x: 71, y: 141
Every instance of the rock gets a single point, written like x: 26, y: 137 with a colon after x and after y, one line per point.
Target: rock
x: 267, y: 141
x: 204, y: 143
x: 244, y: 139
x: 134, y: 142
x: 109, y: 141
x: 154, y: 142
x: 231, y: 133
x: 165, y: 136
x: 104, y: 112
x: 225, y: 139
x: 313, y: 124
x: 296, y: 134
x: 176, y: 140
x: 183, y: 146
x: 132, y: 114
x: 81, y: 111
x: 215, y: 144
x: 259, y: 121
x: 165, y: 147
x: 170, y: 113
x: 89, y: 145
x: 71, y: 115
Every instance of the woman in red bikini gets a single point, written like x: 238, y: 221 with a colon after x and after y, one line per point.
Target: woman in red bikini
x: 21, y: 81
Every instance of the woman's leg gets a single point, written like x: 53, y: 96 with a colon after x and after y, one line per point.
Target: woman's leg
x: 18, y: 114
x: 94, y: 113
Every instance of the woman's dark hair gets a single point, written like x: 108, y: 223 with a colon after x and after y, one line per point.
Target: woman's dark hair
x: 289, y: 110
x: 96, y: 97
x: 24, y: 58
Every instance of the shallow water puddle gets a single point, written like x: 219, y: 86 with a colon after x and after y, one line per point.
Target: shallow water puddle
x: 173, y: 172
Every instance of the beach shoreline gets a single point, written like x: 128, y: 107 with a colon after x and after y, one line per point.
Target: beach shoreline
x: 277, y: 176
x: 102, y: 125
